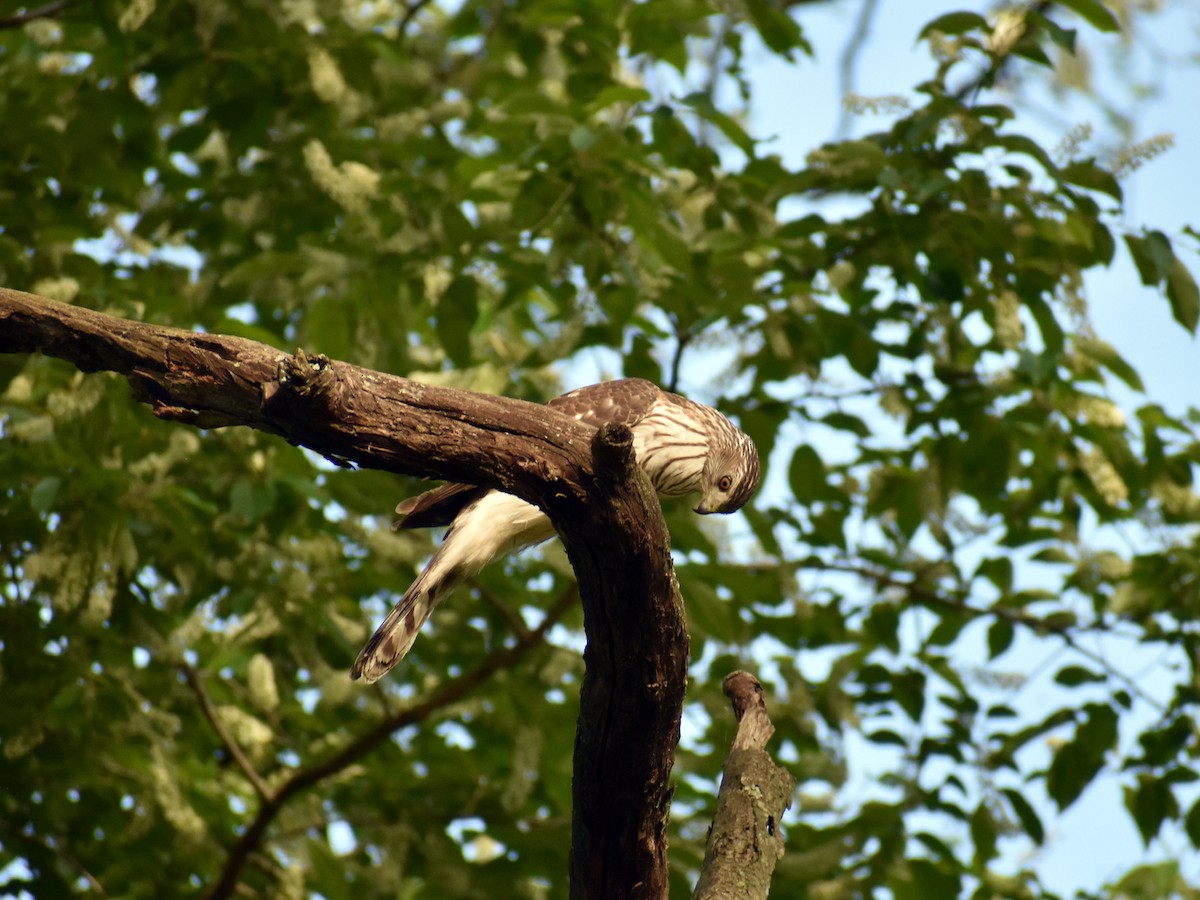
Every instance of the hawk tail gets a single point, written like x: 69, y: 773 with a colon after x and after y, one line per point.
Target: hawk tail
x: 395, y: 635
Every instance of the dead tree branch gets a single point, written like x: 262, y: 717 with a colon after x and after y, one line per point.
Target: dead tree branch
x: 601, y: 504
x: 745, y: 841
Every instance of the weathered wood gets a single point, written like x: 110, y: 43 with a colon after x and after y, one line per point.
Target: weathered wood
x: 603, y: 507
x: 636, y: 660
x: 746, y: 841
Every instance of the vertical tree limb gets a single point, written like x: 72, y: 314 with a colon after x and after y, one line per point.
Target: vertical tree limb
x: 745, y: 841
x: 631, y: 700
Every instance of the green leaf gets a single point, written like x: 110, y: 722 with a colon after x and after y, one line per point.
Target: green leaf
x: 251, y: 500
x: 807, y: 475
x: 1152, y: 255
x: 1191, y: 824
x: 1074, y: 676
x: 999, y: 571
x: 983, y: 834
x: 1019, y: 143
x: 1062, y: 37
x: 1095, y: 13
x: 42, y: 497
x: 1183, y: 294
x: 1000, y: 636
x: 1026, y: 815
x: 775, y: 25
x: 618, y: 93
x: 851, y: 424
x: 1086, y: 173
x: 955, y: 23
x: 737, y: 135
x: 925, y: 879
x: 457, y: 310
x: 1107, y: 355
x: 1079, y: 760
x: 1151, y: 802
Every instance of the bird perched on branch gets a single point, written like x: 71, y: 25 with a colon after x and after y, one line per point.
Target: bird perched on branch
x: 684, y: 448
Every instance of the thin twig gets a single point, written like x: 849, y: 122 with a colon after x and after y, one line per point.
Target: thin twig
x: 714, y: 77
x: 302, y: 779
x: 227, y: 740
x: 683, y: 337
x: 510, y: 615
x: 42, y: 12
x: 849, y: 61
x: 410, y: 12
x: 553, y: 209
x: 15, y: 839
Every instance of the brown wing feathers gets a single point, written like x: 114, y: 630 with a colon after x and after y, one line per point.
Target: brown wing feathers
x: 622, y: 402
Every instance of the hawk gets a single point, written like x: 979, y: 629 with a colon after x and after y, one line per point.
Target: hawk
x: 684, y: 447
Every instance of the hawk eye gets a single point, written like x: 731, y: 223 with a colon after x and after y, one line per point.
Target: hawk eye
x: 725, y: 483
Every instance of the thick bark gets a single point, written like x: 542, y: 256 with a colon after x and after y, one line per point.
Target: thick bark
x: 745, y: 841
x: 603, y: 507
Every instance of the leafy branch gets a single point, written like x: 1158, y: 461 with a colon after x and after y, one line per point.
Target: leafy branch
x: 227, y: 740
x: 448, y: 693
x: 1059, y: 629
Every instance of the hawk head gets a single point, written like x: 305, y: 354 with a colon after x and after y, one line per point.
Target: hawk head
x: 731, y: 473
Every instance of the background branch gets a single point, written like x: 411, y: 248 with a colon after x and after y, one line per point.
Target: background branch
x: 47, y: 11
x: 310, y: 776
x: 745, y: 841
x: 227, y: 740
x: 848, y: 62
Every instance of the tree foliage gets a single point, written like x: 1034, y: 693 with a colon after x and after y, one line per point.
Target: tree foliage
x: 964, y: 553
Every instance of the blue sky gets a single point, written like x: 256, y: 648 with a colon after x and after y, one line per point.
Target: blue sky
x: 799, y: 105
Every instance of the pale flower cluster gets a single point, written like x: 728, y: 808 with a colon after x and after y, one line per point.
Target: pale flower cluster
x: 44, y: 32
x: 20, y: 389
x: 1111, y: 566
x: 35, y: 430
x: 1176, y: 499
x: 329, y: 84
x: 1100, y: 412
x: 181, y: 445
x: 17, y: 745
x: 1008, y: 328
x: 527, y: 752
x: 302, y: 13
x: 1007, y: 29
x: 250, y: 733
x: 841, y: 274
x: 289, y: 882
x: 214, y: 149
x: 71, y: 571
x: 402, y: 125
x: 1104, y: 477
x: 350, y: 185
x: 1134, y: 157
x: 260, y: 678
x: 437, y: 278
x: 883, y: 104
x: 170, y: 798
x: 56, y: 62
x: 892, y: 402
x: 134, y: 15
x: 76, y: 400
x: 99, y: 604
x: 64, y: 288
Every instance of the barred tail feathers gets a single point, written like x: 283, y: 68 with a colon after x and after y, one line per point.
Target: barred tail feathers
x: 395, y: 635
x: 496, y: 524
